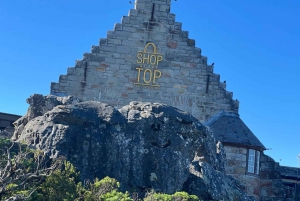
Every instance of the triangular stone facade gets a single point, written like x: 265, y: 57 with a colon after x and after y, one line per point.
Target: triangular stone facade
x: 148, y: 57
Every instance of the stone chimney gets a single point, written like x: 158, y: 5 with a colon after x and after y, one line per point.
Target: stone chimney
x: 155, y: 9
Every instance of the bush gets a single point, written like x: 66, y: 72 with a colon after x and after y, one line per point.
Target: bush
x: 178, y: 196
x: 59, y: 181
x: 152, y: 196
x: 105, y: 189
x: 115, y: 196
x: 22, y: 169
x: 60, y: 185
x: 184, y: 196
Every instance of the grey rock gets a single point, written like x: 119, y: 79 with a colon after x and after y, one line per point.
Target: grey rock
x: 39, y: 105
x: 210, y: 184
x: 142, y: 145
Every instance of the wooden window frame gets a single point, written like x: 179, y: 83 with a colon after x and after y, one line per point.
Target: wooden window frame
x: 256, y: 162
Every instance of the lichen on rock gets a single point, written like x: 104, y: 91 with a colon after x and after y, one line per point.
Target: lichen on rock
x: 142, y: 145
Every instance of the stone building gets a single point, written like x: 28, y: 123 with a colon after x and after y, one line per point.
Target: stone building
x: 259, y: 174
x: 243, y: 149
x: 148, y: 57
x: 6, y: 120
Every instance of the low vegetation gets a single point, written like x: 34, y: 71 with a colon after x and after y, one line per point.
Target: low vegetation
x: 26, y: 175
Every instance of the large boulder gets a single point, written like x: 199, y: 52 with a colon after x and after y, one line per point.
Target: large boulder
x: 39, y: 105
x: 142, y: 145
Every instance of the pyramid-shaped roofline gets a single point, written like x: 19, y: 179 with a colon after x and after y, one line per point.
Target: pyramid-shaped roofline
x: 231, y: 130
x: 148, y: 57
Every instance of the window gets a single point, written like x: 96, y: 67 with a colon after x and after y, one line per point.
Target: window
x: 253, y: 161
x: 257, y: 162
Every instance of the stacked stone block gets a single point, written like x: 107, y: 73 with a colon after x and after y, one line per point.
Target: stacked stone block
x: 109, y: 72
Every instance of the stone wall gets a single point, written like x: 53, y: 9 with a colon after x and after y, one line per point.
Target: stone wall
x: 267, y: 186
x: 271, y: 187
x: 236, y: 166
x: 148, y: 57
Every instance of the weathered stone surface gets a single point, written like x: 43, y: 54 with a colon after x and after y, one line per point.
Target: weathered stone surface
x: 180, y: 63
x: 39, y: 105
x: 143, y: 145
x: 271, y: 182
x: 209, y: 184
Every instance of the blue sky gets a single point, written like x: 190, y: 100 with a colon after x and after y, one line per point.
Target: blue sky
x: 254, y: 45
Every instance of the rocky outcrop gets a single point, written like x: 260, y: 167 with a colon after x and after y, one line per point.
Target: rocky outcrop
x: 39, y: 105
x: 209, y: 184
x: 142, y: 145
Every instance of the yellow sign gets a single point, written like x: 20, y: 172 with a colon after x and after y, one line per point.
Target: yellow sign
x: 148, y: 72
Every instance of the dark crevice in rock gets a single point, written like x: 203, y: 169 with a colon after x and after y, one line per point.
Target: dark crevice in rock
x: 155, y: 127
x: 167, y: 144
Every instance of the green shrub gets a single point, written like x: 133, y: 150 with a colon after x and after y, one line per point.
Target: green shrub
x: 178, y: 196
x: 184, y: 196
x: 60, y: 185
x: 63, y: 184
x: 152, y: 196
x: 114, y: 195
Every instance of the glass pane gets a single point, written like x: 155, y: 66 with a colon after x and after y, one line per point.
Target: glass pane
x: 251, y: 160
x: 257, y: 162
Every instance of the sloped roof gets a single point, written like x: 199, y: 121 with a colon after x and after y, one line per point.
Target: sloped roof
x: 290, y: 172
x: 230, y: 129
